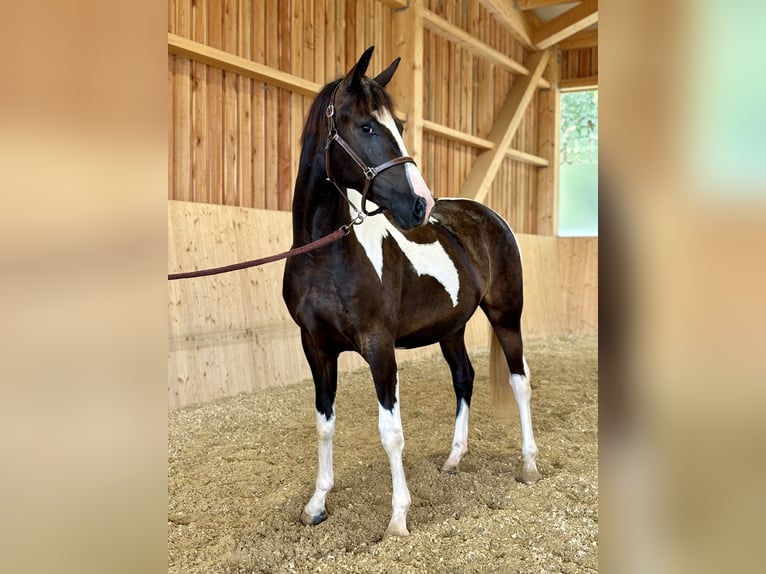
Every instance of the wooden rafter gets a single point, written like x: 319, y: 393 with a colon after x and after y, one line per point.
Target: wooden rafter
x: 566, y: 24
x: 579, y: 84
x: 532, y: 4
x: 484, y: 170
x: 458, y: 36
x: 514, y: 20
x: 584, y: 39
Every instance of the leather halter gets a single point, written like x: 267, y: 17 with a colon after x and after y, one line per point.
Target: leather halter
x: 369, y: 171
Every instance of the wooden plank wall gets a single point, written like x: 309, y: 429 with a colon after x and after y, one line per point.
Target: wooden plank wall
x: 232, y: 333
x: 579, y: 68
x: 235, y: 141
x: 579, y: 63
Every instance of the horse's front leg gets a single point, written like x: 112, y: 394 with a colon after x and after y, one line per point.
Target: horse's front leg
x: 324, y: 368
x: 386, y: 378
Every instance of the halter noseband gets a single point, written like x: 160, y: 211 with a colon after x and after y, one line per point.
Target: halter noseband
x: 369, y: 171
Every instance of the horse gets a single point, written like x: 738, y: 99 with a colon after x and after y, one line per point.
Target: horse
x: 411, y: 272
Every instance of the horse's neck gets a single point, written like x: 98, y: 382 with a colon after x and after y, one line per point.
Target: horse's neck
x: 318, y: 208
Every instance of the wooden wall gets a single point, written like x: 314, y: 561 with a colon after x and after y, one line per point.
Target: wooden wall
x: 234, y: 140
x: 579, y: 61
x: 232, y: 333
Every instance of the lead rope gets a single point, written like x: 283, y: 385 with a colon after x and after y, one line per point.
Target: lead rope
x: 339, y: 233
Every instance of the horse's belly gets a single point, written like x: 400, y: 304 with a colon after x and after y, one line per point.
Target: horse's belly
x: 430, y: 323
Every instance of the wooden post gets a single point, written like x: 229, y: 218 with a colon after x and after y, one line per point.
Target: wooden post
x: 548, y: 142
x: 407, y: 85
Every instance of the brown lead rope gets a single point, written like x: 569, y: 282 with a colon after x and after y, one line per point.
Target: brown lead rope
x: 334, y: 236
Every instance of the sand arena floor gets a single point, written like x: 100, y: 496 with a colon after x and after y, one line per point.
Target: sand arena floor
x: 241, y: 469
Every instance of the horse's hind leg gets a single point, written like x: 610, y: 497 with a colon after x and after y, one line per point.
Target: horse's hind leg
x: 522, y: 391
x: 507, y: 327
x: 324, y: 368
x: 454, y: 351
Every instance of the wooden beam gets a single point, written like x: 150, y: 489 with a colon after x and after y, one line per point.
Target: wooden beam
x: 481, y: 143
x: 227, y: 61
x: 511, y: 18
x: 529, y: 158
x: 457, y: 35
x: 532, y: 4
x: 486, y: 166
x: 456, y: 135
x: 395, y: 4
x: 579, y: 84
x: 584, y: 39
x: 548, y: 143
x: 566, y: 24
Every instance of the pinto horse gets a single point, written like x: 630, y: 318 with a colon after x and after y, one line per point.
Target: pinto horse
x: 411, y: 272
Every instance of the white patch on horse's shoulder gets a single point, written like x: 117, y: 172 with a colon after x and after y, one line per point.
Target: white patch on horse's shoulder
x: 371, y: 233
x: 426, y: 258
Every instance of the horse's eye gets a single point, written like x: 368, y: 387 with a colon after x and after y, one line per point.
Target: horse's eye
x: 367, y: 128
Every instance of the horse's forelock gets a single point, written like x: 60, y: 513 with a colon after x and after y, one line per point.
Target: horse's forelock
x: 372, y: 97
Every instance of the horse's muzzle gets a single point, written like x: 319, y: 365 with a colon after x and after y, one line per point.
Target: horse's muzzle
x: 419, y: 211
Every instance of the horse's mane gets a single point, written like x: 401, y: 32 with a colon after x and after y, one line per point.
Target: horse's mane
x: 370, y: 96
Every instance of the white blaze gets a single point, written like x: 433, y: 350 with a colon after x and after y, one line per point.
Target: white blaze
x: 416, y: 180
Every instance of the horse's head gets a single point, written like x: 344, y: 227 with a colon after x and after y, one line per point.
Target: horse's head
x: 361, y: 114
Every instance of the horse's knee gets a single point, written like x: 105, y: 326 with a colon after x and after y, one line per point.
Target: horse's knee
x: 391, y: 436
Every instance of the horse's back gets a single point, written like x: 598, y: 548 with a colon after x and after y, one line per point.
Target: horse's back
x: 479, y: 228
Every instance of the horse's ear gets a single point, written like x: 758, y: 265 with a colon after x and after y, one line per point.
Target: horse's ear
x: 354, y: 77
x: 385, y: 76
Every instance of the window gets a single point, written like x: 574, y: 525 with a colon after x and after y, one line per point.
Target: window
x: 578, y: 171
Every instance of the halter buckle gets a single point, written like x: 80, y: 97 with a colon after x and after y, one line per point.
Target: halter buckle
x: 330, y: 111
x: 370, y: 172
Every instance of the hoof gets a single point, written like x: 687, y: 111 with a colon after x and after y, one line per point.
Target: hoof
x: 398, y: 530
x: 529, y: 476
x: 449, y: 468
x: 310, y: 520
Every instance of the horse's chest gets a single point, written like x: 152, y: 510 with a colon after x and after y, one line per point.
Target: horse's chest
x: 404, y: 261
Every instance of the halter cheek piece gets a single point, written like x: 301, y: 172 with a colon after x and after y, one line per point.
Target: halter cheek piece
x: 369, y: 171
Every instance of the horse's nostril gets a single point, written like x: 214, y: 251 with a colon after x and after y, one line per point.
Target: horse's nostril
x: 419, y: 210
